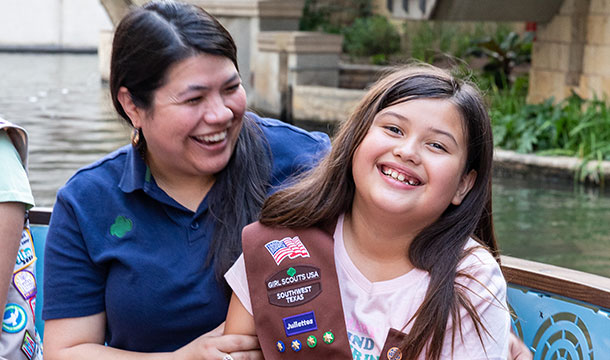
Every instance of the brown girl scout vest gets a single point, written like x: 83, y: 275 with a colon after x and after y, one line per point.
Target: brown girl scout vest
x: 295, y: 295
x: 19, y: 339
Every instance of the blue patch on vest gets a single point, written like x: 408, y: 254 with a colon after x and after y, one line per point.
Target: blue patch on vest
x: 300, y: 323
x: 14, y: 319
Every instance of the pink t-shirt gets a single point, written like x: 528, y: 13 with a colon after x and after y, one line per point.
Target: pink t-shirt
x: 372, y: 308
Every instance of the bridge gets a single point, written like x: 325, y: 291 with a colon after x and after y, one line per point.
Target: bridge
x: 568, y: 55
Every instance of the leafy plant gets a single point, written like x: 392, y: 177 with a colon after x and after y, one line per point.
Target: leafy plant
x: 371, y: 36
x: 332, y: 16
x: 315, y: 17
x: 503, y: 53
x: 429, y: 41
x: 573, y: 127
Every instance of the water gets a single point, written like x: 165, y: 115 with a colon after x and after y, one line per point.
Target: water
x: 556, y: 224
x: 68, y: 113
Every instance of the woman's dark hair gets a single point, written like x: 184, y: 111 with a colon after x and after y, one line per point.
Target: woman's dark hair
x: 328, y: 191
x: 147, y: 42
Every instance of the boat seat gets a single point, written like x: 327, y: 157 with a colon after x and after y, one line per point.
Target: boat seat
x: 556, y: 327
x: 559, y: 313
x: 553, y: 326
x: 39, y: 234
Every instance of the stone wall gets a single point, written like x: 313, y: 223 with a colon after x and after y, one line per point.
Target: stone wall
x: 596, y: 68
x: 571, y: 52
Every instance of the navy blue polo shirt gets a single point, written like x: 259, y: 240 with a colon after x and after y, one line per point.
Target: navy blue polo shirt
x: 118, y: 243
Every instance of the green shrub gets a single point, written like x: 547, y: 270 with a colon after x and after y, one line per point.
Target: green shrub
x: 427, y: 41
x: 314, y: 17
x: 370, y: 36
x: 332, y: 16
x: 573, y: 127
x: 503, y: 52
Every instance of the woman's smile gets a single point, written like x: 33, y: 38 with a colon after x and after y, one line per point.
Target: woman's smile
x: 196, y: 118
x: 211, y: 139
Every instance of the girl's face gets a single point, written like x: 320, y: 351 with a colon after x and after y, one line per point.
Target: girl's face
x: 411, y: 161
x: 195, y: 119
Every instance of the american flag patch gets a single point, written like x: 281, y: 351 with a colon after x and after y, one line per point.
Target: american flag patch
x: 287, y: 247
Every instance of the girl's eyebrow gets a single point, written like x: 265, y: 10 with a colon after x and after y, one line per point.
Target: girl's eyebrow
x: 196, y: 87
x: 443, y: 132
x: 433, y: 129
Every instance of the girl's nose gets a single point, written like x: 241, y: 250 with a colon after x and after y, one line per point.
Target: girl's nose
x: 408, y: 151
x: 216, y: 111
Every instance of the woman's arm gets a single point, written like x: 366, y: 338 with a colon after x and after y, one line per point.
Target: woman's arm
x: 83, y: 338
x: 11, y: 226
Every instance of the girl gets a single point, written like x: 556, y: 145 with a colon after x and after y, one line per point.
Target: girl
x: 406, y: 195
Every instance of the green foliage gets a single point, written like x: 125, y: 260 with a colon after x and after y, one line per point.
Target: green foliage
x: 371, y: 36
x: 332, y: 16
x: 315, y: 17
x: 428, y: 41
x: 503, y: 53
x: 573, y: 127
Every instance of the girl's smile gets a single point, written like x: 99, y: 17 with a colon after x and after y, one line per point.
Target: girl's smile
x: 405, y: 177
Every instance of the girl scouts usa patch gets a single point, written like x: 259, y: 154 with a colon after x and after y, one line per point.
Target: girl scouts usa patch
x: 294, y: 286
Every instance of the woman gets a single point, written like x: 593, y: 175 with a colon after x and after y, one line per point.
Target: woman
x: 139, y: 240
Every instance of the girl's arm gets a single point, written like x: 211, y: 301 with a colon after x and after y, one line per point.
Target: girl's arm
x: 83, y: 338
x: 485, y: 287
x: 239, y: 320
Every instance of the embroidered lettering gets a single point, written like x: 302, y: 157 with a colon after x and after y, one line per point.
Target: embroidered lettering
x: 300, y: 323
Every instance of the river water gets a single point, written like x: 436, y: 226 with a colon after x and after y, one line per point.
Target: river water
x: 68, y: 114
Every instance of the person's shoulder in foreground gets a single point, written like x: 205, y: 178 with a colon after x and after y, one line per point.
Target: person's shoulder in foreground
x: 293, y: 149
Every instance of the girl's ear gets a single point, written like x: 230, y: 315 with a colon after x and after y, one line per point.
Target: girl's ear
x: 464, y: 187
x: 135, y: 114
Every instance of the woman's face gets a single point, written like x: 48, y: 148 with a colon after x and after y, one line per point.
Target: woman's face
x: 195, y: 119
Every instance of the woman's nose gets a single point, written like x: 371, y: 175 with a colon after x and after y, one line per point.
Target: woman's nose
x: 216, y: 111
x: 408, y: 150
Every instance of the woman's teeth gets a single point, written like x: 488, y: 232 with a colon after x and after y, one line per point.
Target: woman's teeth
x: 400, y: 177
x: 213, y: 138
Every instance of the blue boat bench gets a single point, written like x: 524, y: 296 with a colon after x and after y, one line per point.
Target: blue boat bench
x: 561, y: 314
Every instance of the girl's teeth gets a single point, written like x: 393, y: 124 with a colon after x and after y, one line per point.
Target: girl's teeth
x: 400, y: 177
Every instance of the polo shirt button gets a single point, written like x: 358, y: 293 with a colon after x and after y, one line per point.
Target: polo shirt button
x: 194, y: 225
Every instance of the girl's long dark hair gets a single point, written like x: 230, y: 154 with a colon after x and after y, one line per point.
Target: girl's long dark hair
x: 147, y: 42
x: 321, y: 195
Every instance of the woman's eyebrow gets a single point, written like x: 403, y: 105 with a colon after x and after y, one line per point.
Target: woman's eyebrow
x: 197, y: 87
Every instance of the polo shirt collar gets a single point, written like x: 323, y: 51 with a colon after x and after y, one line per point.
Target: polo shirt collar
x: 135, y: 172
x: 137, y: 176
